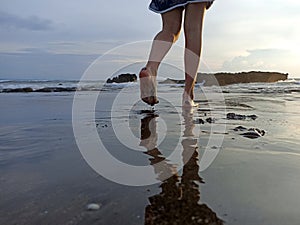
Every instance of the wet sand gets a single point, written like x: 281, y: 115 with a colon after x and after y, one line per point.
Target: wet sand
x: 45, y: 180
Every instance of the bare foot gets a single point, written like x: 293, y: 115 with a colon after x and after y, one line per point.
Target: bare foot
x: 187, y: 101
x: 148, y: 87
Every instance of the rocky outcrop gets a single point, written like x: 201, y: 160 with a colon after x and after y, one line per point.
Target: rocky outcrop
x: 46, y: 89
x: 222, y: 79
x: 172, y: 81
x: 15, y: 90
x: 243, y: 77
x: 56, y: 89
x: 123, y: 78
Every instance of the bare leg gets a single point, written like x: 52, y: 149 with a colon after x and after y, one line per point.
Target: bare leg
x: 171, y: 26
x: 193, y: 25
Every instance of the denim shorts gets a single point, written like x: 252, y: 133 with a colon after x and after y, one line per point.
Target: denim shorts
x: 162, y: 6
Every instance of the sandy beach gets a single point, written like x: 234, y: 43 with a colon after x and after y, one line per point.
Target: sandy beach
x: 44, y: 178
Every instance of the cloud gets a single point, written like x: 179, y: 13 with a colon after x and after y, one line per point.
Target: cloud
x: 81, y: 47
x: 32, y: 23
x: 259, y: 59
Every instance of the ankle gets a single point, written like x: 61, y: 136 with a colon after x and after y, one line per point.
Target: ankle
x: 151, y: 69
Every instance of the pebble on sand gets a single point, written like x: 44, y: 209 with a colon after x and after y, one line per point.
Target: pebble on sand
x: 93, y: 207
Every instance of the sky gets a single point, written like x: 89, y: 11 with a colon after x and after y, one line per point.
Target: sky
x: 54, y: 39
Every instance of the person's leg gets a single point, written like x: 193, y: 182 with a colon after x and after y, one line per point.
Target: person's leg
x: 193, y: 24
x: 171, y: 26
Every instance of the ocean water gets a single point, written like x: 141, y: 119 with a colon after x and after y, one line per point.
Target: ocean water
x: 7, y: 86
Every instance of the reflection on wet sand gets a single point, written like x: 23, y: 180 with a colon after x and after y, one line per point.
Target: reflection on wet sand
x: 179, y: 199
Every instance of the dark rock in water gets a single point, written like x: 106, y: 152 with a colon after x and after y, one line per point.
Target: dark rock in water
x: 123, y: 78
x: 254, y: 133
x: 172, y: 81
x: 234, y: 116
x: 221, y: 79
x: 240, y: 128
x: 56, y: 89
x: 202, y: 110
x: 210, y: 120
x: 207, y: 120
x: 243, y: 77
x: 262, y: 132
x: 251, y: 133
x: 14, y: 90
x: 199, y: 121
x: 254, y: 117
x: 46, y: 89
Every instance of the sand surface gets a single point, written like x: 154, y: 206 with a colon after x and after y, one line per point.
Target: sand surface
x: 45, y: 180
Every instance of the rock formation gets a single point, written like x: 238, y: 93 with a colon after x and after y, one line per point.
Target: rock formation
x: 242, y: 77
x: 222, y: 79
x: 172, y: 81
x: 123, y: 78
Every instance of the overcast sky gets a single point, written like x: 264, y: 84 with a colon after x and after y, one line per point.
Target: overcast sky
x: 54, y: 39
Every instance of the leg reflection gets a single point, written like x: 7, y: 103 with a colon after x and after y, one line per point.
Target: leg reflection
x: 179, y: 199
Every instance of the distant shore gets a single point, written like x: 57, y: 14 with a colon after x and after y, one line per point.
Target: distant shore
x: 223, y: 78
